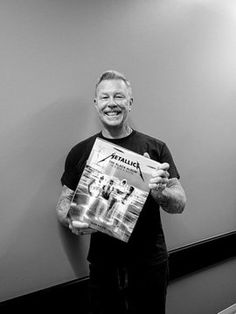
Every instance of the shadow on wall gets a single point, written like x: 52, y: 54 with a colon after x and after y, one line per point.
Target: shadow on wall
x: 35, y: 249
x: 76, y: 248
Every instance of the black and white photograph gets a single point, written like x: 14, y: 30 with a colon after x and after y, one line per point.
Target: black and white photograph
x: 118, y: 157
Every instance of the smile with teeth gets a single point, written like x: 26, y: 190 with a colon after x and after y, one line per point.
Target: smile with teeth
x: 112, y: 113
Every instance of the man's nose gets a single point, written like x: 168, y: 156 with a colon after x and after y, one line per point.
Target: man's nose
x: 112, y: 102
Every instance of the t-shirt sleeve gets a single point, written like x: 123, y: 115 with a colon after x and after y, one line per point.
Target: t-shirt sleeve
x: 167, y: 157
x: 71, y: 174
x: 76, y: 162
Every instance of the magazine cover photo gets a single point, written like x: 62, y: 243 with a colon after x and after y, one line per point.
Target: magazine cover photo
x: 112, y: 189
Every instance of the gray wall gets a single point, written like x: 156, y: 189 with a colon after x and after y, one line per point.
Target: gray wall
x: 180, y: 58
x: 207, y: 292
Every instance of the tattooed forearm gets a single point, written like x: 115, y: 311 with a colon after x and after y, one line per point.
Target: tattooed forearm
x: 63, y: 205
x: 172, y: 199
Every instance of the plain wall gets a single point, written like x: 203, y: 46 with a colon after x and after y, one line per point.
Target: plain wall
x: 209, y: 291
x: 180, y: 59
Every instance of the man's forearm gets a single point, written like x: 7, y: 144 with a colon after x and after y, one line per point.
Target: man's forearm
x: 172, y: 199
x: 63, y: 205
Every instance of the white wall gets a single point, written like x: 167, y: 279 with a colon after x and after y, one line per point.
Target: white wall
x: 179, y: 56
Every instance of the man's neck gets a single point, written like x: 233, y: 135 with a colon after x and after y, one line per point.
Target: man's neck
x: 116, y: 132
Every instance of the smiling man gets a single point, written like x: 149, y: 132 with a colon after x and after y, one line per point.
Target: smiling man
x: 113, y: 102
x: 125, y: 277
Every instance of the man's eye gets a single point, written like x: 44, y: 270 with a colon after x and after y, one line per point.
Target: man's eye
x: 104, y: 97
x: 119, y: 96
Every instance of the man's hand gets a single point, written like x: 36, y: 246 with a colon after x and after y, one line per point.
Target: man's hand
x: 168, y: 193
x: 80, y: 228
x: 159, y: 179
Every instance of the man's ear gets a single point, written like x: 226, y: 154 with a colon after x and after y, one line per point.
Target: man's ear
x: 131, y: 102
x: 95, y: 102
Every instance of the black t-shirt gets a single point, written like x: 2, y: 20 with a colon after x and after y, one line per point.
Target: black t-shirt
x: 147, y: 242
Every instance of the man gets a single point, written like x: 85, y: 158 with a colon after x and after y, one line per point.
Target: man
x: 126, y: 277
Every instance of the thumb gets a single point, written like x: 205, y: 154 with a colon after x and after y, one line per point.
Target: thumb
x: 146, y: 155
x: 79, y: 224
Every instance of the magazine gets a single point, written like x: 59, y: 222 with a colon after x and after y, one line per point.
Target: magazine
x: 112, y: 189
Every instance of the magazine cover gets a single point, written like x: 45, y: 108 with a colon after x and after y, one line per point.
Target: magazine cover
x: 112, y: 189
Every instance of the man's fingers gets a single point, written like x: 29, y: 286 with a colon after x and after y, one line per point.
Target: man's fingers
x: 165, y: 166
x: 79, y: 224
x: 80, y: 228
x: 146, y: 155
x: 160, y: 173
x: 73, y: 230
x: 87, y: 231
x: 158, y: 180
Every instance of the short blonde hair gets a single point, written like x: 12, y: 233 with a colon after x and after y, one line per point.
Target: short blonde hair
x: 113, y: 75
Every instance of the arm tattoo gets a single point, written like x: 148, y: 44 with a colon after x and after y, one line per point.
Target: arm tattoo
x: 172, y: 199
x: 63, y: 205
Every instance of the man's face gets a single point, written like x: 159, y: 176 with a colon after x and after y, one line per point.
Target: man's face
x: 113, y: 102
